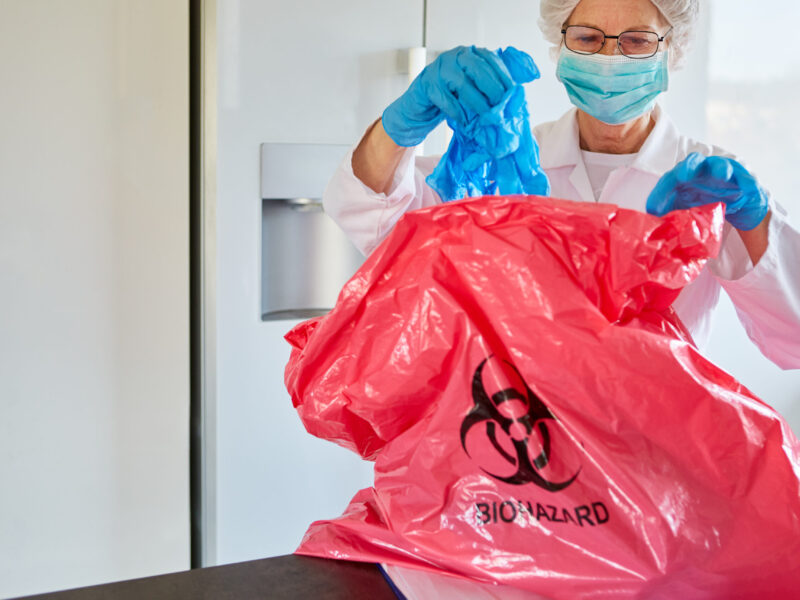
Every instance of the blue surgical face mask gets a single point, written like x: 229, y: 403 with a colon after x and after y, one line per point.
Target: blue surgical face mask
x: 614, y: 89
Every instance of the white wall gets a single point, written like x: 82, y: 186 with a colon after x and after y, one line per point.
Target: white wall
x: 315, y: 72
x: 94, y: 287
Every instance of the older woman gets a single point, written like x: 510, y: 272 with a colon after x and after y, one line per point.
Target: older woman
x: 616, y: 146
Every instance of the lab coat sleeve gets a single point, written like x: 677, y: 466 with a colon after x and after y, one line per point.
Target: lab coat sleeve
x: 365, y: 216
x: 767, y: 296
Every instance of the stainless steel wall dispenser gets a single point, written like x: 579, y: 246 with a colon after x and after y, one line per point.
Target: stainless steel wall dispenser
x: 305, y: 258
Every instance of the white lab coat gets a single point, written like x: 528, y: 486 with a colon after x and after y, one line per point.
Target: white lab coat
x: 766, y: 297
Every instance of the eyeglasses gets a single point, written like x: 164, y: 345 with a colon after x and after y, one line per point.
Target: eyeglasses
x: 633, y: 44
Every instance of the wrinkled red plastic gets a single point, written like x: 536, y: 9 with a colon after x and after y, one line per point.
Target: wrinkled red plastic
x: 553, y: 319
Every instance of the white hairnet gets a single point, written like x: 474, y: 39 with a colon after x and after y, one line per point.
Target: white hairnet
x: 681, y: 14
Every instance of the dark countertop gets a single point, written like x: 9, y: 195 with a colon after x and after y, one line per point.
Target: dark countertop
x: 278, y: 578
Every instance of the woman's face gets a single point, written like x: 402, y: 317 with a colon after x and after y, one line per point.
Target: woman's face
x: 615, y: 16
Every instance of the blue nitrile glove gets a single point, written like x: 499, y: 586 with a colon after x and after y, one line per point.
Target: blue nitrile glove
x: 470, y: 169
x: 494, y: 151
x: 699, y: 180
x: 460, y: 82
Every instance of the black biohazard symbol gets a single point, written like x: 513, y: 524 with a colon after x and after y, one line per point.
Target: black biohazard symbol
x: 488, y: 413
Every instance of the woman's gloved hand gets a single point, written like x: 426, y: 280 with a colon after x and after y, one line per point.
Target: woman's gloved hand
x: 460, y: 84
x: 699, y: 180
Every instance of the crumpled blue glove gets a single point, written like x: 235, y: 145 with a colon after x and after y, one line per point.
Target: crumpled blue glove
x: 460, y: 83
x: 699, y: 180
x: 474, y: 166
x: 494, y: 151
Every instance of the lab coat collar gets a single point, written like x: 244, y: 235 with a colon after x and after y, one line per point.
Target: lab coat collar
x: 563, y: 150
x: 562, y: 142
x: 658, y: 154
x: 660, y: 150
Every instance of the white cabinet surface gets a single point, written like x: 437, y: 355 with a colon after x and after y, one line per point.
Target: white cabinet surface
x: 94, y: 281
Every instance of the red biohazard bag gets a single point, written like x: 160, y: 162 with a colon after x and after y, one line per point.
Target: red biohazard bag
x: 538, y: 416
